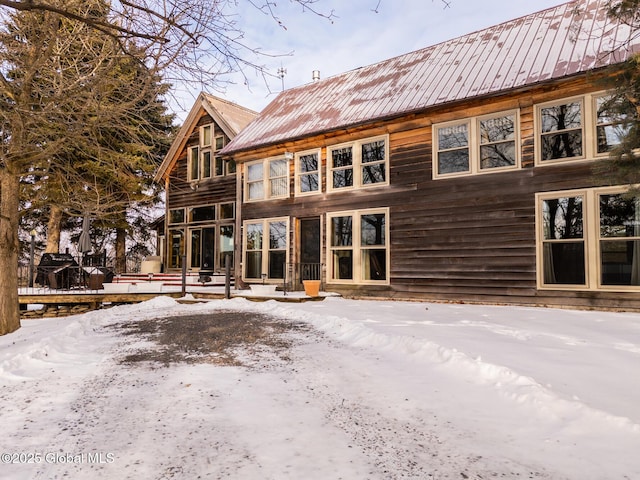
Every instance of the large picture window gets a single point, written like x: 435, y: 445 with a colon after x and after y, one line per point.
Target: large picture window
x: 619, y: 240
x: 205, y: 234
x: 265, y: 248
x: 267, y: 179
x: 476, y: 145
x: 360, y: 164
x: 358, y: 246
x: 589, y: 239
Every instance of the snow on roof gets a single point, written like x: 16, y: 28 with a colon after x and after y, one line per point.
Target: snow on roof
x: 558, y: 42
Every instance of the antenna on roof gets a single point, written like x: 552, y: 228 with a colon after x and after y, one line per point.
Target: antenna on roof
x: 281, y: 73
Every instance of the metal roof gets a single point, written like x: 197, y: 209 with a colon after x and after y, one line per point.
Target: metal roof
x: 235, y: 116
x: 558, y: 42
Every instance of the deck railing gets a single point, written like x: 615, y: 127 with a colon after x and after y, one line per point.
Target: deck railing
x: 296, y: 273
x: 62, y: 278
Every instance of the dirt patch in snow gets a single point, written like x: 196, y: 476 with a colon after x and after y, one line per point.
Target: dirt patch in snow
x: 223, y: 337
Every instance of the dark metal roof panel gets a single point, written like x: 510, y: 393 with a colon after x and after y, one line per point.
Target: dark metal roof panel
x: 555, y: 43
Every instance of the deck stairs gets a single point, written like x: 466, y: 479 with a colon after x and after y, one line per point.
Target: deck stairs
x: 171, y: 279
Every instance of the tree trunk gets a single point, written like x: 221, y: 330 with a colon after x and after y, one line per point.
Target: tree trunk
x: 121, y: 250
x: 9, y: 304
x: 53, y: 229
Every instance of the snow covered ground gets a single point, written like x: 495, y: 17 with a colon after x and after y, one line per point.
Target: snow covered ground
x: 376, y: 390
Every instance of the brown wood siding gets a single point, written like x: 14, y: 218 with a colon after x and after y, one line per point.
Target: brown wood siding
x: 465, y: 239
x: 212, y: 190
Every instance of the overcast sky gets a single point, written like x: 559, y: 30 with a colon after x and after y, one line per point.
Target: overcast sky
x: 361, y: 33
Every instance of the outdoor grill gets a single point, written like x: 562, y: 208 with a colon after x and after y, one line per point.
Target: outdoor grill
x: 58, y: 270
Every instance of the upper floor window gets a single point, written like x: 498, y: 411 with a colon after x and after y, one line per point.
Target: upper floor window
x: 267, y: 179
x: 206, y: 133
x: 561, y: 132
x: 202, y: 161
x: 583, y: 127
x: 613, y: 121
x: 476, y: 145
x: 193, y: 163
x: 307, y: 168
x: 358, y: 164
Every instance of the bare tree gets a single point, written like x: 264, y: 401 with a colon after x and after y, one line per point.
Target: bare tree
x: 56, y: 64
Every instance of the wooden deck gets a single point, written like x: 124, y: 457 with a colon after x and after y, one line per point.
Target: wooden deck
x: 90, y: 298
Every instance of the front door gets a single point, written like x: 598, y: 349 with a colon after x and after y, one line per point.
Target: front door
x: 309, y: 268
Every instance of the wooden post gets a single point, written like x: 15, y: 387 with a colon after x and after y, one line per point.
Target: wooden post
x: 184, y: 275
x: 227, y: 276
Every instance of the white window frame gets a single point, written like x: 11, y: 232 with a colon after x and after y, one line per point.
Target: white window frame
x: 594, y: 100
x: 179, y: 211
x: 217, y: 260
x: 203, y: 129
x: 204, y: 154
x: 217, y: 147
x: 206, y: 151
x: 357, y: 165
x: 475, y: 143
x: 266, y: 179
x: 591, y: 239
x: 299, y: 174
x: 265, y: 247
x: 356, y: 247
x: 589, y: 128
x: 193, y: 155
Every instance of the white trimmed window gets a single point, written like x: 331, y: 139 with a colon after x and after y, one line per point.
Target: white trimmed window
x: 267, y: 179
x: 358, y: 247
x: 307, y: 167
x: 265, y: 245
x: 580, y: 128
x: 360, y: 164
x: 612, y: 121
x: 210, y: 235
x: 206, y: 133
x: 193, y: 163
x: 202, y: 162
x: 588, y: 240
x: 477, y: 145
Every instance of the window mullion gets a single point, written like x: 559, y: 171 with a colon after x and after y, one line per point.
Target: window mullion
x: 474, y: 146
x: 356, y: 164
x: 589, y: 136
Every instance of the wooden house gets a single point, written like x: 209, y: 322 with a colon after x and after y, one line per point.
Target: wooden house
x: 200, y: 186
x: 461, y: 172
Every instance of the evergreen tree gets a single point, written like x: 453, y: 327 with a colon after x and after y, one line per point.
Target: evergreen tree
x: 623, y: 107
x: 82, y: 123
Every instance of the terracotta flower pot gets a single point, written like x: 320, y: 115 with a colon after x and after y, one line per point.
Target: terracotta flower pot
x: 311, y: 287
